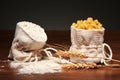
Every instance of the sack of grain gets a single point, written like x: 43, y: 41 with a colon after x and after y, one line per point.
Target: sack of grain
x: 28, y: 38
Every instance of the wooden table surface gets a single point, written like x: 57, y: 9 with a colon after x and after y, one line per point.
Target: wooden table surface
x: 62, y: 38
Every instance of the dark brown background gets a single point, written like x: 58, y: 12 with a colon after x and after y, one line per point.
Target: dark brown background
x: 59, y: 14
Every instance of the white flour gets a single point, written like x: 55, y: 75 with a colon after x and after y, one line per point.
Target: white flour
x: 44, y: 66
x: 49, y: 65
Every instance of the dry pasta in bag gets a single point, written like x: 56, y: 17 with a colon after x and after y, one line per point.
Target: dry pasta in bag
x: 87, y: 36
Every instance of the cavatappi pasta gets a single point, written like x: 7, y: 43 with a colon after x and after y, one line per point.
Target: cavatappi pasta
x: 88, y: 24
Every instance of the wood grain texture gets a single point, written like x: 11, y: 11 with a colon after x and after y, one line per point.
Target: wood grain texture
x: 62, y: 38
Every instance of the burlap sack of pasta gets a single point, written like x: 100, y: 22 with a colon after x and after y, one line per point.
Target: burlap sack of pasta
x: 28, y: 40
x: 87, y: 36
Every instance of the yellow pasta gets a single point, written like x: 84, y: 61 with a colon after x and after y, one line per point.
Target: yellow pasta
x: 88, y: 24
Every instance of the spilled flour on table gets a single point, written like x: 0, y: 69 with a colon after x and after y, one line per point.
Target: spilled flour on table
x: 49, y: 65
x: 43, y: 66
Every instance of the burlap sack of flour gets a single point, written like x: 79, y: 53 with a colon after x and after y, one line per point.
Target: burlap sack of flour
x: 29, y: 37
x: 89, y: 42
